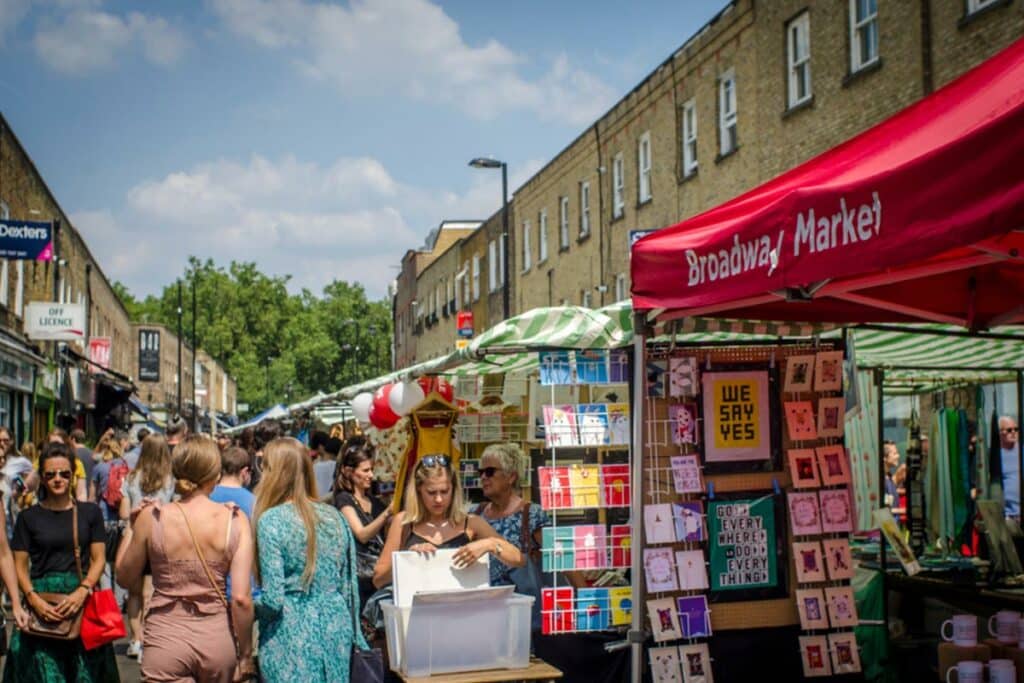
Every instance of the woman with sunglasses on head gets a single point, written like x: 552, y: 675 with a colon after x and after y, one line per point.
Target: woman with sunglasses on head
x: 434, y: 519
x: 47, y: 562
x: 309, y: 605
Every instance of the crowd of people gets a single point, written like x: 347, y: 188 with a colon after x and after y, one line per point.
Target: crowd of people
x: 256, y: 557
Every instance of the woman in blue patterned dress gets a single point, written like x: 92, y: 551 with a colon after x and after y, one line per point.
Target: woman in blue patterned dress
x: 308, y: 611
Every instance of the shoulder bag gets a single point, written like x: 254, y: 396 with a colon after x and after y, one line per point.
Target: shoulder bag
x: 70, y: 627
x: 528, y: 579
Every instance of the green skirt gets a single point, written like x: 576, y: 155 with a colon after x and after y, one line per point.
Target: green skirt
x: 31, y: 659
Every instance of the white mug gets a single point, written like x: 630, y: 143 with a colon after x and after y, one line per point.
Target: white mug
x: 967, y: 671
x: 964, y: 630
x: 1005, y: 628
x: 1002, y: 671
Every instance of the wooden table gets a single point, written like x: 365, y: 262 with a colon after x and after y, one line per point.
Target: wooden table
x: 537, y: 671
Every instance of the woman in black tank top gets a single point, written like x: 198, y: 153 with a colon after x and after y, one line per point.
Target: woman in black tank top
x: 433, y: 520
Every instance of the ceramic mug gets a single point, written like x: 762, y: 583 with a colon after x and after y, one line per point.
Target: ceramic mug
x: 1004, y: 626
x: 967, y: 671
x: 1002, y: 671
x: 964, y: 630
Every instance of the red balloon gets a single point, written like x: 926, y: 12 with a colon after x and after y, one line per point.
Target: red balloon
x: 426, y: 383
x: 381, y: 409
x: 445, y: 388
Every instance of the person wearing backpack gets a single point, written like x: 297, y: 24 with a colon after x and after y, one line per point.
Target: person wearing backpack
x: 105, y: 489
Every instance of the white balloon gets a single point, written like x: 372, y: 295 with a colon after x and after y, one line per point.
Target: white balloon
x: 404, y: 397
x: 361, y: 406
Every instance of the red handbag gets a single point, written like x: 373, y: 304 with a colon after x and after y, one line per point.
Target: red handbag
x: 101, y: 619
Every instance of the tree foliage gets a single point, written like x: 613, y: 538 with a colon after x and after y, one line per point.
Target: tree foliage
x: 279, y: 347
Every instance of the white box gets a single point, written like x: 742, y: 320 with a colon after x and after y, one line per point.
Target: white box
x: 416, y: 573
x: 462, y: 635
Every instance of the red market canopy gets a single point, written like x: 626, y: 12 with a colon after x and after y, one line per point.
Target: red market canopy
x: 917, y: 219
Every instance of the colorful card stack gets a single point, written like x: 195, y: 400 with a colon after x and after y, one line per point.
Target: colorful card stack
x: 615, y: 483
x: 558, y: 614
x: 565, y: 610
x: 584, y: 486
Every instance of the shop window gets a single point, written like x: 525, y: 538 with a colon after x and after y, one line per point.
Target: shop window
x: 798, y: 51
x: 643, y: 158
x: 618, y: 186
x: 863, y: 34
x: 727, y: 114
x: 584, y: 209
x: 527, y: 262
x: 563, y: 222
x: 542, y: 236
x: 689, y: 138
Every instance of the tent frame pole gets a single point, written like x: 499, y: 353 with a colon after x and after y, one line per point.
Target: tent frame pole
x: 636, y: 634
x: 879, y: 376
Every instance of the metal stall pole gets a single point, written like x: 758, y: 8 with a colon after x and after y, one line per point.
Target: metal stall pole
x: 636, y: 511
x: 880, y: 385
x: 1020, y: 446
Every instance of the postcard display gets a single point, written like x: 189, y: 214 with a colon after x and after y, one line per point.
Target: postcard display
x: 747, y: 513
x: 581, y: 411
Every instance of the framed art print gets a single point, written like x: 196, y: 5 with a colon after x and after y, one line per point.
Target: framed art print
x: 810, y: 565
x: 830, y: 417
x: 803, y: 468
x: 660, y: 570
x: 665, y: 665
x: 696, y: 663
x: 838, y: 559
x: 842, y: 610
x: 658, y: 524
x: 814, y: 655
x: 834, y: 465
x: 682, y: 377
x: 836, y: 514
x: 693, y: 573
x: 845, y: 658
x: 740, y: 405
x: 828, y: 371
x: 694, y: 617
x: 682, y: 419
x: 813, y: 612
x: 803, y: 513
x: 664, y: 620
x: 800, y: 421
x: 747, y: 560
x: 799, y: 371
x: 686, y: 474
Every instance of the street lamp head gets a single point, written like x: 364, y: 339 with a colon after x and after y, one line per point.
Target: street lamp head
x: 486, y: 162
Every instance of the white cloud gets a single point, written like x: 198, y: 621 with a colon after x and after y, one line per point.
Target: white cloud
x: 87, y: 40
x: 378, y: 47
x: 347, y: 220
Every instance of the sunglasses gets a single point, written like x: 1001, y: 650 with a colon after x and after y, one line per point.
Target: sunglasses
x: 489, y: 471
x: 53, y: 474
x: 435, y: 461
x: 1010, y: 430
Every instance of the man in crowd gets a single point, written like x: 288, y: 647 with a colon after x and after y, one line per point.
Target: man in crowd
x: 132, y: 456
x: 82, y: 451
x: 1008, y: 436
x: 235, y: 470
x: 177, y: 430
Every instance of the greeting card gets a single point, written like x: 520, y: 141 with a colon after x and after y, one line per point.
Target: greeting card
x: 682, y: 380
x: 593, y: 609
x: 834, y: 465
x: 802, y: 468
x: 591, y: 546
x: 830, y: 417
x: 686, y: 474
x: 810, y: 567
x: 615, y: 480
x: 468, y: 428
x: 657, y: 378
x: 618, y: 366
x: 557, y: 610
x: 845, y: 658
x: 467, y: 388
x: 803, y: 513
x: 664, y: 620
x: 828, y: 371
x: 799, y: 370
x: 592, y: 423
x: 621, y: 542
x: 814, y: 653
x: 693, y: 574
x: 842, y: 609
x: 694, y: 617
x: 621, y: 599
x: 490, y: 427
x: 556, y: 368
x: 558, y: 548
x: 838, y: 559
x: 689, y: 521
x: 683, y: 423
x: 659, y: 570
x: 696, y: 663
x: 658, y: 524
x: 811, y: 605
x: 592, y: 367
x: 800, y: 421
x: 585, y: 483
x: 836, y: 515
x: 560, y: 426
x: 555, y: 493
x: 619, y: 426
x: 665, y: 665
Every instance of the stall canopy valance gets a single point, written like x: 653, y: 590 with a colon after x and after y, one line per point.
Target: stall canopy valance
x: 917, y: 219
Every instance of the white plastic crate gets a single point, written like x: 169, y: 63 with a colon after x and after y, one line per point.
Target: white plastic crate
x: 427, y: 639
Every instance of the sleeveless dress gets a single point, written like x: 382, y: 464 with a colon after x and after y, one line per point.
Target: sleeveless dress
x: 188, y: 634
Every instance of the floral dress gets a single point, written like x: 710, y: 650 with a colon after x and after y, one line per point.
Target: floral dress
x: 306, y: 633
x: 510, y: 527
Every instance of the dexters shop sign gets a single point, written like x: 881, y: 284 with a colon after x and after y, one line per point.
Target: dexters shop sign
x: 28, y: 240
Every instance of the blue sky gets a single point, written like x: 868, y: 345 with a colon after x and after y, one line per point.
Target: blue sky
x: 319, y: 139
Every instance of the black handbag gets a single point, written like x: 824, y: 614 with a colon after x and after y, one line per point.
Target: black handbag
x: 367, y: 666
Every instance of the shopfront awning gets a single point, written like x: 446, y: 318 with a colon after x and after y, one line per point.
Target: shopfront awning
x: 920, y: 218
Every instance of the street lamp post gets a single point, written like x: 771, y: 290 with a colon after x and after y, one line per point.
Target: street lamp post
x: 354, y: 347
x: 484, y: 162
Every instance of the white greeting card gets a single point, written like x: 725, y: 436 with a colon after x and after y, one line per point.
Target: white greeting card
x: 828, y: 371
x: 813, y: 612
x: 686, y: 474
x: 803, y: 513
x: 842, y: 609
x: 658, y: 524
x: 810, y: 566
x: 838, y: 559
x: 665, y: 665
x: 693, y: 573
x: 830, y: 417
x: 696, y: 663
x: 814, y: 654
x: 845, y: 658
x: 682, y: 377
x: 803, y: 468
x: 659, y: 570
x: 834, y: 465
x: 836, y: 515
x: 664, y: 620
x: 799, y: 371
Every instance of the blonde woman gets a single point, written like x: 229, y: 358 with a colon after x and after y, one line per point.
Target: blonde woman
x: 434, y: 519
x: 191, y: 547
x: 309, y: 606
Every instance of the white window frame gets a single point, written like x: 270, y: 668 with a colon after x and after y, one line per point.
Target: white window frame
x: 492, y: 266
x: 563, y: 222
x: 689, y: 135
x: 728, y: 111
x: 476, y: 277
x: 542, y: 236
x: 527, y: 256
x: 618, y: 186
x: 798, y: 59
x: 501, y: 262
x: 621, y: 290
x: 859, y: 25
x: 465, y: 283
x: 978, y: 5
x: 643, y: 165
x: 584, y: 208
